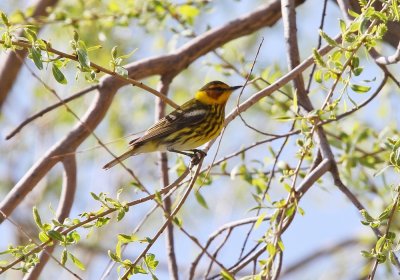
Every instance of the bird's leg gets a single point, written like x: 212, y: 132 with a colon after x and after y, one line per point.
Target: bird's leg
x: 180, y: 152
x: 195, y: 155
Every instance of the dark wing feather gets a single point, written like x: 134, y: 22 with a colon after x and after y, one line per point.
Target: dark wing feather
x: 190, y: 113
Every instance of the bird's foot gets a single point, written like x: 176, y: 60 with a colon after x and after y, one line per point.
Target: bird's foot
x: 197, y: 156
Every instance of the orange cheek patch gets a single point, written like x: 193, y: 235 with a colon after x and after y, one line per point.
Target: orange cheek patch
x: 214, y: 94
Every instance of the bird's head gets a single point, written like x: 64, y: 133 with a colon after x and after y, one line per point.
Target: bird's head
x: 215, y: 93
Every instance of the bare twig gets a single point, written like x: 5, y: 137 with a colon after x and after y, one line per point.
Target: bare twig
x: 324, y: 251
x: 48, y: 109
x: 169, y: 237
x: 213, y: 236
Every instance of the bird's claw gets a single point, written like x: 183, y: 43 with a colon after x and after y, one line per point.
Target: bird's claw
x: 197, y: 156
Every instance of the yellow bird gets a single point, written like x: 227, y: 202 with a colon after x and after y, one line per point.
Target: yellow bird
x: 193, y: 124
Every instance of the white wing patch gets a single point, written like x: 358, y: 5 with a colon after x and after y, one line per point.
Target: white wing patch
x: 195, y: 113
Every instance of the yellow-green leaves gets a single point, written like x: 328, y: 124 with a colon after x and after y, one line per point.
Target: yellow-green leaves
x: 116, y: 61
x: 360, y: 88
x: 58, y: 75
x: 4, y: 19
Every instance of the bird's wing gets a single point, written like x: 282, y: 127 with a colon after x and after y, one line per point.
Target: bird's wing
x: 190, y: 113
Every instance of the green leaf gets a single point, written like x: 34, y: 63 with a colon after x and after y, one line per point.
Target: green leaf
x: 358, y: 71
x: 342, y: 25
x: 151, y: 261
x: 76, y: 261
x: 395, y: 9
x: 328, y: 39
x: 37, y: 57
x: 226, y: 275
x: 114, y: 52
x: 36, y: 217
x: 55, y: 235
x: 271, y: 249
x: 379, y: 244
x: 113, y: 256
x: 30, y: 35
x: 318, y: 76
x: 124, y: 238
x: 43, y: 237
x: 318, y: 58
x: 95, y: 196
x: 200, y: 199
x: 121, y: 71
x: 4, y: 19
x: 259, y: 220
x: 64, y: 256
x: 58, y: 75
x: 360, y: 88
x: 83, y: 59
x: 352, y: 13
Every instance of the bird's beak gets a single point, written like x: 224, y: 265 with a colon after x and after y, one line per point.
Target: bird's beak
x: 235, y: 87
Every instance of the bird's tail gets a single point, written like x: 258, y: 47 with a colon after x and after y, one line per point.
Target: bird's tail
x: 122, y: 157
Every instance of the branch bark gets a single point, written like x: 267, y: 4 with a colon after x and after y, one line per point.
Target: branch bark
x: 169, y: 237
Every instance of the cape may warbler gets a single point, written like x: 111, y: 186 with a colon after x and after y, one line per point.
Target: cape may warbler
x: 193, y: 124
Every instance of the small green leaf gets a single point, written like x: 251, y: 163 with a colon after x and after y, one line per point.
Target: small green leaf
x: 151, y: 261
x: 328, y: 39
x: 55, y: 235
x: 352, y: 13
x: 95, y: 196
x: 200, y: 199
x: 259, y: 220
x: 30, y: 35
x: 37, y: 57
x: 36, y: 217
x: 4, y: 19
x: 318, y: 76
x: 113, y: 256
x: 114, y: 52
x: 83, y: 59
x: 226, y: 275
x: 395, y: 9
x: 58, y: 75
x: 76, y: 261
x: 121, y: 71
x: 342, y: 25
x: 358, y: 71
x: 271, y: 249
x: 43, y: 237
x: 64, y: 256
x: 360, y: 88
x: 318, y: 58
